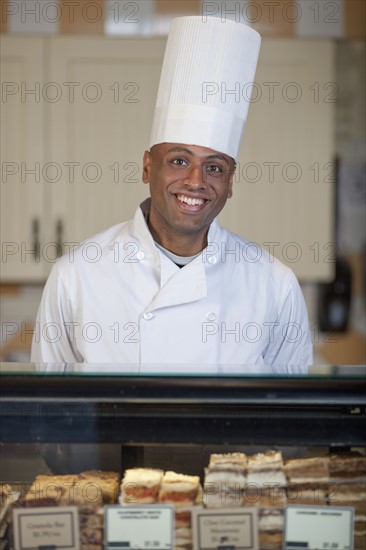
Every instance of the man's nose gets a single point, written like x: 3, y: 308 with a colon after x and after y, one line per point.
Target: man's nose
x: 195, y: 177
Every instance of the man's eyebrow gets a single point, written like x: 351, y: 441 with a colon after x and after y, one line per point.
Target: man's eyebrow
x: 180, y: 150
x: 220, y: 157
x: 188, y: 152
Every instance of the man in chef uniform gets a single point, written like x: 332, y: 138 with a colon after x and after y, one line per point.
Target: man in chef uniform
x: 182, y: 296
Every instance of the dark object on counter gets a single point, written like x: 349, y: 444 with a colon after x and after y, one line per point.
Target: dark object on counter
x: 334, y: 299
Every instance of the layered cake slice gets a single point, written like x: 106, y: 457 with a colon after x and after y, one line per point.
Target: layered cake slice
x: 92, y: 521
x: 266, y: 481
x: 360, y: 533
x: 183, y: 528
x: 108, y: 482
x: 87, y: 495
x: 351, y: 465
x: 88, y: 491
x: 228, y: 462
x: 92, y: 538
x: 308, y: 480
x: 307, y: 493
x: 140, y: 486
x: 270, y: 527
x: 183, y: 517
x: 300, y: 470
x: 179, y: 489
x: 92, y: 530
x: 225, y: 479
x: 48, y: 490
x: 183, y: 538
x: 349, y: 494
x: 266, y: 468
x: 348, y: 488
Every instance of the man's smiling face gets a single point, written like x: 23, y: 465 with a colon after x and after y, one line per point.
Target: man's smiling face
x: 189, y: 186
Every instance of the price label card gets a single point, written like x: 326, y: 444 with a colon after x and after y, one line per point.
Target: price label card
x: 46, y: 528
x: 225, y: 529
x: 318, y: 528
x: 141, y: 527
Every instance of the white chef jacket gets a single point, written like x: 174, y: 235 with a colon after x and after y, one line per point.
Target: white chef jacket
x: 117, y: 298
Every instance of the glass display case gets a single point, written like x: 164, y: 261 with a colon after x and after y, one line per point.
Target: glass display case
x: 65, y: 419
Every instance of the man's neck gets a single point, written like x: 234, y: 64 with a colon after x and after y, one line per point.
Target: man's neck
x: 180, y: 244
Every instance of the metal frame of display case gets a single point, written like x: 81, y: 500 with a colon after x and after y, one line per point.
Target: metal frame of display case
x: 143, y: 409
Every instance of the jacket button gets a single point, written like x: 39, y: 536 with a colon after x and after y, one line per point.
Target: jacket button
x: 140, y: 255
x: 212, y: 259
x: 210, y: 316
x: 147, y: 316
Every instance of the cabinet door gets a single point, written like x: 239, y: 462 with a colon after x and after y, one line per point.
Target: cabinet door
x: 283, y: 191
x: 99, y: 129
x: 22, y: 223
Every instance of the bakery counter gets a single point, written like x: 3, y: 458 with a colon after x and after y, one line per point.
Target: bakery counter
x: 214, y: 439
x: 141, y: 405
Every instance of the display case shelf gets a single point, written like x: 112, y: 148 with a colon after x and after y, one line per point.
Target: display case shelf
x: 74, y: 404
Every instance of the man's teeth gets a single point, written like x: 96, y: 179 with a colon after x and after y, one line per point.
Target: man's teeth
x: 188, y: 200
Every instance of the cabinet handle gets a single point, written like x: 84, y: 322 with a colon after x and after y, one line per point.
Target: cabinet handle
x: 36, y: 241
x: 59, y: 237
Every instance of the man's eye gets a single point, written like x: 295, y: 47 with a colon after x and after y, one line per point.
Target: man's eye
x: 179, y: 162
x: 214, y: 169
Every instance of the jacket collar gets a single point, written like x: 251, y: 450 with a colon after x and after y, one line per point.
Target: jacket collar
x: 177, y: 286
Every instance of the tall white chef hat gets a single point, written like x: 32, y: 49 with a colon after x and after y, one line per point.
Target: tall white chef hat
x: 205, y: 84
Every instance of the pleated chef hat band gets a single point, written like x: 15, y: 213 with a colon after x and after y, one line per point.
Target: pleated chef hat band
x: 206, y: 67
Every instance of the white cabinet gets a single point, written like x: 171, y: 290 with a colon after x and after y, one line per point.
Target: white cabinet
x: 22, y: 149
x: 85, y: 131
x: 92, y: 124
x: 100, y: 128
x: 283, y: 192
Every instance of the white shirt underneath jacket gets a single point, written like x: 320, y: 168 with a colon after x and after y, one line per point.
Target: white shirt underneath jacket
x: 117, y: 298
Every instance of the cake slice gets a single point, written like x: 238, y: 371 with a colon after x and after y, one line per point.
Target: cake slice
x: 351, y: 465
x: 312, y: 493
x: 308, y: 480
x: 86, y: 495
x: 228, y: 468
x: 270, y: 540
x: 183, y: 537
x: 183, y: 517
x: 234, y: 462
x: 140, y: 486
x: 92, y: 521
x: 271, y: 519
x: 270, y: 526
x: 266, y: 481
x: 305, y: 470
x: 48, y: 490
x: 225, y: 478
x: 347, y: 472
x: 92, y: 537
x: 179, y: 489
x: 360, y: 533
x: 266, y: 468
x: 349, y: 494
x: 108, y: 483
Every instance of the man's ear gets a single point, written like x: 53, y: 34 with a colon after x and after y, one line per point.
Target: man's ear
x: 146, y: 167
